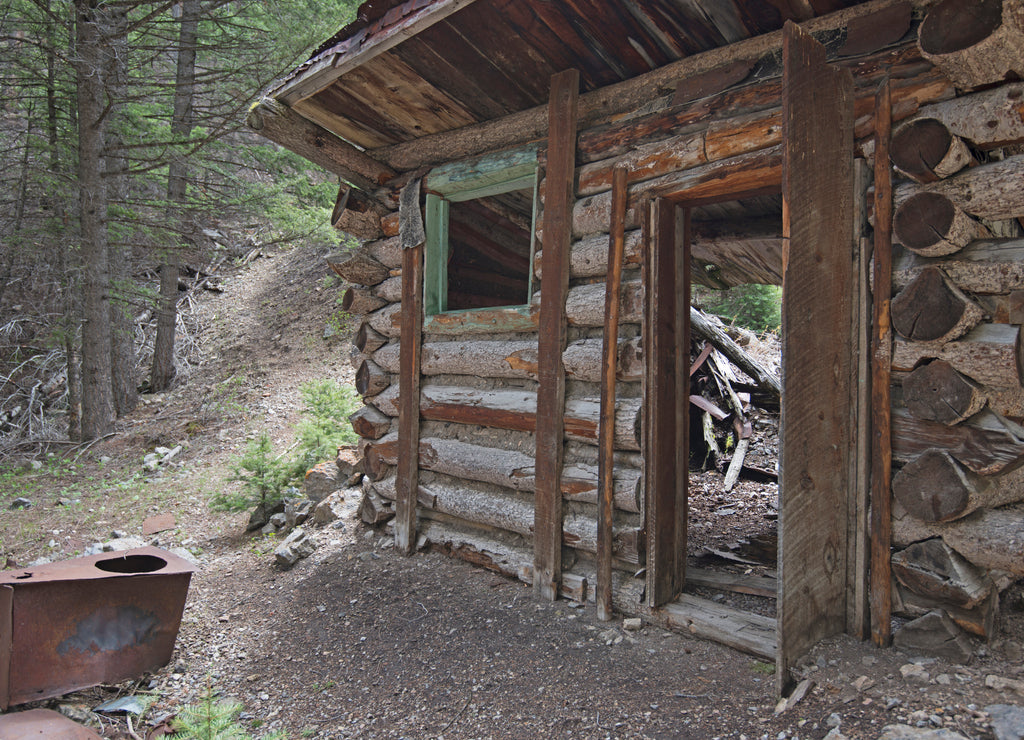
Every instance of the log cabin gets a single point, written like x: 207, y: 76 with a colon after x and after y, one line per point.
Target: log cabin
x: 536, y: 185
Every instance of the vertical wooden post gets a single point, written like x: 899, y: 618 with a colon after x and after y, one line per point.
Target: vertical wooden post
x: 407, y: 482
x: 881, y: 405
x: 817, y: 430
x: 664, y: 372
x: 558, y: 203
x: 609, y: 367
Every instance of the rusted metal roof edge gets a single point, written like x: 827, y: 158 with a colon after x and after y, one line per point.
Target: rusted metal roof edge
x: 400, y: 23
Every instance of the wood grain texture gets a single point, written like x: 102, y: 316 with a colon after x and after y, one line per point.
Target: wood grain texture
x: 606, y: 428
x: 552, y: 332
x: 409, y: 389
x: 817, y: 435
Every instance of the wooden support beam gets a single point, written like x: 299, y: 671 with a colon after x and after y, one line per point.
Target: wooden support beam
x: 562, y: 121
x: 606, y: 428
x: 279, y: 123
x: 881, y: 402
x: 407, y: 483
x: 818, y: 436
x: 667, y: 368
x: 974, y: 42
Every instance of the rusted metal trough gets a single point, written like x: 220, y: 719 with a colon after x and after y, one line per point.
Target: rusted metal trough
x: 76, y: 623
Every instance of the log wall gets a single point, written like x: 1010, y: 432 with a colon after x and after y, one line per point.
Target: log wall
x: 958, y: 447
x: 957, y: 304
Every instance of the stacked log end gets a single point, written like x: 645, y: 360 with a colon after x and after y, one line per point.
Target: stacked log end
x: 958, y: 492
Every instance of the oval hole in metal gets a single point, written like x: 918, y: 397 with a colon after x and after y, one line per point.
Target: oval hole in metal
x: 132, y: 564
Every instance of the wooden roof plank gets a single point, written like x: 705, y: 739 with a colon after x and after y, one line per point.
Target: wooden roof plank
x: 365, y: 45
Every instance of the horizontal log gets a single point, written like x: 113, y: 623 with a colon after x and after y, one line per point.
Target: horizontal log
x: 589, y: 255
x: 370, y: 423
x: 937, y: 392
x: 506, y: 468
x: 387, y: 320
x: 359, y: 268
x: 989, y: 119
x: 989, y: 191
x: 986, y: 444
x: 925, y: 150
x: 517, y: 409
x: 371, y: 378
x: 482, y: 358
x: 989, y: 538
x: 359, y: 301
x: 990, y: 354
x: 932, y: 225
x: 986, y: 266
x: 980, y: 620
x: 386, y: 251
x: 934, y: 570
x: 935, y: 488
x: 389, y: 290
x: 644, y: 162
x: 281, y: 124
x: 756, y: 171
x: 932, y: 309
x: 584, y: 305
x: 367, y: 340
x: 515, y: 514
x: 975, y: 42
x: 582, y: 360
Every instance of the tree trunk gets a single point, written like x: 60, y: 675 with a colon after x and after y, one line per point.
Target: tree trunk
x: 386, y: 251
x: 163, y: 369
x: 584, y: 305
x: 390, y: 290
x: 935, y: 488
x: 582, y: 360
x: 980, y: 620
x: 937, y: 392
x: 122, y: 349
x: 988, y: 191
x: 932, y: 309
x: 703, y: 326
x: 367, y: 340
x: 97, y: 395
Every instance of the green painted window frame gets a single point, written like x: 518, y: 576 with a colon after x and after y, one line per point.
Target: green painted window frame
x: 492, y: 175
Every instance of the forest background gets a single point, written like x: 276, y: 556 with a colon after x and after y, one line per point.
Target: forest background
x: 128, y: 174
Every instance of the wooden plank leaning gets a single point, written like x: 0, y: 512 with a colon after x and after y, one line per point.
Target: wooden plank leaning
x: 609, y: 368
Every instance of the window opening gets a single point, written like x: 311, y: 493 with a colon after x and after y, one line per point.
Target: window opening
x: 481, y: 235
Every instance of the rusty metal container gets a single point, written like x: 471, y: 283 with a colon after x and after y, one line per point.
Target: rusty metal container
x: 77, y: 623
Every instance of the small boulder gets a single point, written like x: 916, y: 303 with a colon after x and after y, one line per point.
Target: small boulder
x: 296, y: 511
x: 1007, y: 721
x: 20, y: 503
x: 279, y: 520
x: 261, y: 515
x: 322, y: 480
x: 296, y: 546
x: 934, y: 634
x: 121, y: 544
x: 330, y: 509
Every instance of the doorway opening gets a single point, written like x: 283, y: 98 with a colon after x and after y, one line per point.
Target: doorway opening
x: 735, y: 252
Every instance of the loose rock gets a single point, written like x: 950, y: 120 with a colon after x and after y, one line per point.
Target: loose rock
x: 1007, y: 721
x: 296, y: 546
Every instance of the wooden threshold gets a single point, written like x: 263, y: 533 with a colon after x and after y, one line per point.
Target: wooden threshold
x: 744, y: 631
x: 765, y: 586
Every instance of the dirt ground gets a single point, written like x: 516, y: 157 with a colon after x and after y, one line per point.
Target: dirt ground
x: 360, y: 642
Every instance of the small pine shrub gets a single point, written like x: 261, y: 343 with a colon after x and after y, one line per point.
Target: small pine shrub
x: 212, y: 720
x: 327, y: 406
x: 263, y: 478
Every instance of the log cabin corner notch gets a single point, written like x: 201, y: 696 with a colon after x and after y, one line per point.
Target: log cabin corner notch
x: 487, y: 409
